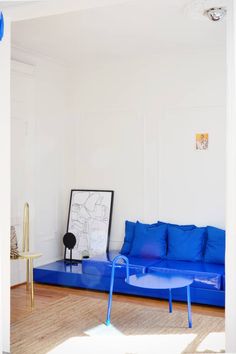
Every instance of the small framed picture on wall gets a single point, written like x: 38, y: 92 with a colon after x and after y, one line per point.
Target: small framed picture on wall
x: 202, y: 141
x: 89, y: 219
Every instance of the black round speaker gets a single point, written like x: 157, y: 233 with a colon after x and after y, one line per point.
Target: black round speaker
x: 69, y: 240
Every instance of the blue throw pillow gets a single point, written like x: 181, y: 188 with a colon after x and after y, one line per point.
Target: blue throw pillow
x: 182, y: 227
x: 129, y: 235
x: 185, y: 245
x: 149, y: 241
x: 215, y: 246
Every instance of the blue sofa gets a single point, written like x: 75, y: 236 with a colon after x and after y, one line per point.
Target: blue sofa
x: 160, y: 247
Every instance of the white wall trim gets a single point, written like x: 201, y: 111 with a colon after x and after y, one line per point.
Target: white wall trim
x: 230, y: 259
x: 36, y: 54
x: 5, y: 189
x: 21, y: 67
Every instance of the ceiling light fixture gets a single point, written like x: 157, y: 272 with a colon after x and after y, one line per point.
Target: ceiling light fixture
x: 215, y: 13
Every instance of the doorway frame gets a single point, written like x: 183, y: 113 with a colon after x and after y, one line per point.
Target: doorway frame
x: 34, y: 10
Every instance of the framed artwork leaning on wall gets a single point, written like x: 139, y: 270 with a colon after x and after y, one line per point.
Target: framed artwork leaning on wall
x: 89, y: 219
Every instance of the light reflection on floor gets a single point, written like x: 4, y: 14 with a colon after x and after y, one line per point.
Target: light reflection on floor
x: 109, y: 340
x: 214, y: 341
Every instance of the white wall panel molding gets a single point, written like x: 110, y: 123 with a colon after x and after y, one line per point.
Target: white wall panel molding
x: 21, y: 67
x: 33, y: 56
x: 159, y: 109
x: 44, y: 144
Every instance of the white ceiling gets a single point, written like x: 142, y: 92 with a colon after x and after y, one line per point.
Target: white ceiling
x: 135, y: 27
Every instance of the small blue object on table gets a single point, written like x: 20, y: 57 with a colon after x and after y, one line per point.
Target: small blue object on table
x: 155, y: 280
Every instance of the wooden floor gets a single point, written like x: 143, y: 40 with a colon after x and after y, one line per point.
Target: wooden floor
x: 47, y: 294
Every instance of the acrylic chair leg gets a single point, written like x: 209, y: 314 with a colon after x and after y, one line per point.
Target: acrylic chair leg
x: 189, y: 307
x: 170, y: 301
x: 108, y: 319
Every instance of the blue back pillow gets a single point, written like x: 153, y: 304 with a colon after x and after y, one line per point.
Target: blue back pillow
x: 185, y: 245
x: 149, y: 241
x: 182, y: 227
x: 215, y: 246
x: 129, y: 236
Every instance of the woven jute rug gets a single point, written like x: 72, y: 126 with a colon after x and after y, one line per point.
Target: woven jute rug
x: 76, y: 325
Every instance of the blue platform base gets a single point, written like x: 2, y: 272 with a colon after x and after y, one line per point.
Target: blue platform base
x: 59, y: 273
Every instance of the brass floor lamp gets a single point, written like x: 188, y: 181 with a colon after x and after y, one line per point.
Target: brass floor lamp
x: 28, y: 256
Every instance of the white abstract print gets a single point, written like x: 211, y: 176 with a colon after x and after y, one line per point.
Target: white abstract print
x: 89, y: 221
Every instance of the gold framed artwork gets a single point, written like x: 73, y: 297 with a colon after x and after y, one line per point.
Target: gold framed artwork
x: 202, y: 141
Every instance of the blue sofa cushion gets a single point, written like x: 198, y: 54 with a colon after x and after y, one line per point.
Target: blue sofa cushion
x: 182, y: 227
x: 215, y: 246
x: 102, y: 265
x: 129, y: 235
x: 223, y: 282
x: 149, y: 241
x: 206, y: 275
x: 185, y: 245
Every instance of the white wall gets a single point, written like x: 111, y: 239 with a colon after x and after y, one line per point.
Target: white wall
x: 22, y: 154
x: 192, y: 183
x: 5, y: 190
x: 42, y: 153
x: 136, y: 121
x: 128, y: 125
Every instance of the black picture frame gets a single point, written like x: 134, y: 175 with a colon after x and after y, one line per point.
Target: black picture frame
x: 89, y: 219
